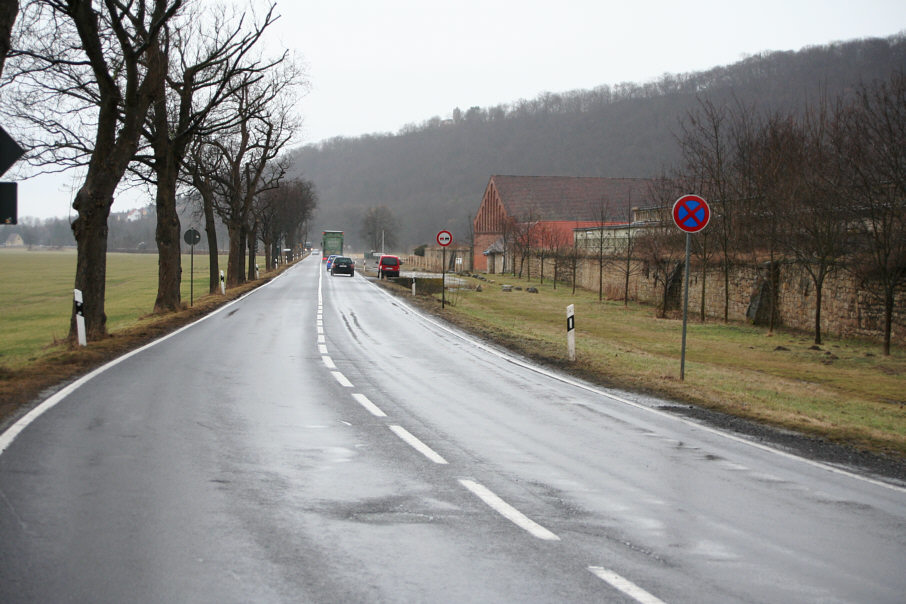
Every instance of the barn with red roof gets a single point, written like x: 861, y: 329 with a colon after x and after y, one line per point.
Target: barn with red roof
x: 549, y: 208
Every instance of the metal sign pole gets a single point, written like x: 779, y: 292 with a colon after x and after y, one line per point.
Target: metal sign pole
x: 443, y: 279
x: 682, y: 367
x: 192, y: 277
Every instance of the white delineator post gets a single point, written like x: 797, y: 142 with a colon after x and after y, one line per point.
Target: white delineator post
x: 571, y: 331
x: 222, y: 284
x: 80, y: 318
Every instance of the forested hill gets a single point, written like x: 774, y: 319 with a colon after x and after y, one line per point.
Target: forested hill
x: 432, y: 175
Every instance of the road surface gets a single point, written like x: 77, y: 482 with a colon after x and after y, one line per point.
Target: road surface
x: 321, y: 441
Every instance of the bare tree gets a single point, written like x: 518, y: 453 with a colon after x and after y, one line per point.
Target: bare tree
x: 203, y: 163
x: 601, y: 248
x: 624, y: 260
x: 707, y: 147
x: 281, y: 212
x: 207, y: 58
x: 818, y: 234
x: 661, y: 246
x: 562, y: 247
x: 875, y: 146
x: 88, y: 82
x: 379, y: 228
x: 245, y: 161
x: 775, y: 165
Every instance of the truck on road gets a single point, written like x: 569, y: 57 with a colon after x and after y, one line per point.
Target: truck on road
x: 331, y: 243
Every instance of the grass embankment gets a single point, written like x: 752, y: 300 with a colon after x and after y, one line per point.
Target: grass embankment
x: 844, y: 390
x: 36, y: 298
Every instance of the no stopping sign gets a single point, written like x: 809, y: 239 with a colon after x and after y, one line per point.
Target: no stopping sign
x: 691, y: 213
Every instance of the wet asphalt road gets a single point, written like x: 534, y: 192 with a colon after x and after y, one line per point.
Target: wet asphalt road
x: 321, y: 441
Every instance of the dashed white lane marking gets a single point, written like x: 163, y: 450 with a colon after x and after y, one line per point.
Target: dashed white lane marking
x: 322, y: 349
x: 625, y: 585
x: 328, y: 361
x: 342, y: 379
x: 508, y: 511
x: 321, y: 339
x: 418, y: 445
x: 365, y: 402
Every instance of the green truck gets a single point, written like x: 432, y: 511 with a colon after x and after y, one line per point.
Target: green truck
x: 331, y: 243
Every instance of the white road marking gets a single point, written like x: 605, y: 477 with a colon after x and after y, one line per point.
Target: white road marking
x: 322, y: 348
x: 509, y: 512
x: 329, y: 362
x: 321, y: 339
x: 342, y: 379
x: 372, y: 408
x: 320, y: 329
x: 624, y: 585
x: 418, y: 445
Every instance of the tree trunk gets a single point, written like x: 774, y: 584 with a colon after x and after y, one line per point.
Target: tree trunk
x: 169, y: 260
x: 213, y: 255
x: 90, y: 230
x: 628, y: 268
x: 726, y: 287
x: 252, y: 249
x: 888, y: 318
x: 235, y: 260
x: 819, y: 290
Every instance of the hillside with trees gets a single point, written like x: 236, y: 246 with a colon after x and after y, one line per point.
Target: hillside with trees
x: 431, y: 175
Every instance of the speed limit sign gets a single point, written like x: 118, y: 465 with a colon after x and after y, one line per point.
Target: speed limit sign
x: 444, y: 238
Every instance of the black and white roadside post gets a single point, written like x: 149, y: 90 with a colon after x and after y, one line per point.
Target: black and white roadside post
x: 192, y: 237
x: 80, y: 317
x: 571, y: 331
x: 444, y: 238
x: 222, y: 284
x: 691, y: 214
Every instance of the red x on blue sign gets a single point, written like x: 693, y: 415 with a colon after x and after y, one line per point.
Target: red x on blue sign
x: 691, y: 213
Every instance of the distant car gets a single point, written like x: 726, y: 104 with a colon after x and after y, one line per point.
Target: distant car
x: 330, y: 260
x: 389, y: 266
x: 343, y: 266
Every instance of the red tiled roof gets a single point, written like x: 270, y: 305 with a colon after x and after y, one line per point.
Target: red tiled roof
x: 570, y: 197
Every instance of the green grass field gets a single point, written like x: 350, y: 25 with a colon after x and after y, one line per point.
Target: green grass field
x: 36, y: 290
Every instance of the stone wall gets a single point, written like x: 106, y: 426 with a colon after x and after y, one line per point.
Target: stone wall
x: 846, y: 310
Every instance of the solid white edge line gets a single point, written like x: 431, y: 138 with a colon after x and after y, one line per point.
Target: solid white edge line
x: 371, y: 407
x: 508, y: 511
x: 568, y: 380
x: 624, y: 585
x: 342, y: 379
x: 10, y: 434
x: 418, y: 445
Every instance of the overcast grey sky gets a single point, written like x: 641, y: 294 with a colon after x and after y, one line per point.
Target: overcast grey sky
x: 377, y: 65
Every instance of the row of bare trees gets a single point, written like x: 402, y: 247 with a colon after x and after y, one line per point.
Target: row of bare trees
x: 822, y: 186
x: 176, y: 94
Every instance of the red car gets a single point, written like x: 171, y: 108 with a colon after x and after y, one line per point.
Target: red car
x: 389, y: 266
